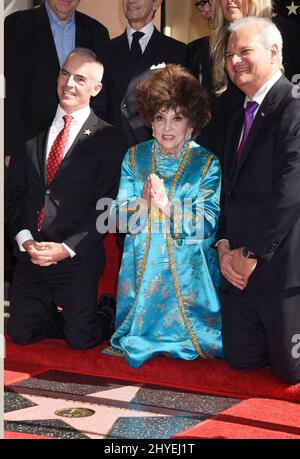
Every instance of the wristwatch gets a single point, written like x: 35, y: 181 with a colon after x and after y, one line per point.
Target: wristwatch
x: 248, y: 254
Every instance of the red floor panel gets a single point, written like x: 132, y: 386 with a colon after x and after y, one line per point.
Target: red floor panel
x: 202, y: 375
x: 17, y: 371
x: 251, y: 419
x: 24, y: 436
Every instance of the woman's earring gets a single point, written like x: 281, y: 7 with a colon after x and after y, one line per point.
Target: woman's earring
x: 153, y: 133
x: 188, y: 135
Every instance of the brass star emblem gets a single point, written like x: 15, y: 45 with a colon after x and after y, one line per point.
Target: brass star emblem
x: 87, y: 132
x: 292, y: 8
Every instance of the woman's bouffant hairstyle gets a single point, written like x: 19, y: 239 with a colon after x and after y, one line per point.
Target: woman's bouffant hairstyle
x: 219, y: 36
x: 173, y: 87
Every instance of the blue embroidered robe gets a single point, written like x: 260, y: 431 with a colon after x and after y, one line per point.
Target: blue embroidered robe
x: 168, y: 287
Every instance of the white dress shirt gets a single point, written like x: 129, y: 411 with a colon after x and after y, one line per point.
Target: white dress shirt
x: 147, y: 30
x: 79, y: 118
x: 263, y: 91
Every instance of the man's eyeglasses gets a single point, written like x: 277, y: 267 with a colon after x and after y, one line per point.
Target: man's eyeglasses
x: 201, y: 4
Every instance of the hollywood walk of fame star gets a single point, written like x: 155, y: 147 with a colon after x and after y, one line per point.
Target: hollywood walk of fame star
x: 97, y: 426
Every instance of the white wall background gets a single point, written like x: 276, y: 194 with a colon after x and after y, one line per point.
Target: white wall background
x: 182, y: 18
x: 110, y: 13
x: 10, y: 6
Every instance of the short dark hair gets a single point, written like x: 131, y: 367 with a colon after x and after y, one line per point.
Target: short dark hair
x: 173, y: 87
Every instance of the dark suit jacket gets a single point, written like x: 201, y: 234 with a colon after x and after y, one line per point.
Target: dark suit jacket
x: 223, y: 106
x: 198, y: 60
x: 290, y: 31
x: 261, y: 194
x: 32, y: 68
x: 121, y: 78
x: 89, y: 171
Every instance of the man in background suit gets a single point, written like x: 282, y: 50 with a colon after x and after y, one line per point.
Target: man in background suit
x: 259, y: 233
x: 37, y: 42
x: 126, y: 63
x: 51, y: 213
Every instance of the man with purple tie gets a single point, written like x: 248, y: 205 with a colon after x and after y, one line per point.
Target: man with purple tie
x: 259, y: 229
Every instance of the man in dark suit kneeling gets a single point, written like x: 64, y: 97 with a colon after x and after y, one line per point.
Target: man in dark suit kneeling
x: 54, y: 183
x: 259, y: 233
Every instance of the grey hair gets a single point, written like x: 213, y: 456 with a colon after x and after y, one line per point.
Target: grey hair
x: 267, y: 30
x: 91, y: 57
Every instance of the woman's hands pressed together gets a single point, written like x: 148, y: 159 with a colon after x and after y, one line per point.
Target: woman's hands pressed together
x: 155, y: 194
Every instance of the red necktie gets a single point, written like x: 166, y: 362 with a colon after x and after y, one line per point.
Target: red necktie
x: 55, y: 158
x: 248, y: 120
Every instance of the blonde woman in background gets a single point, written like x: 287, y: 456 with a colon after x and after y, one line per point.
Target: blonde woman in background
x: 206, y: 60
x: 223, y: 12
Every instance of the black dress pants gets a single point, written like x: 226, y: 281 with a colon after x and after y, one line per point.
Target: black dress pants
x: 262, y: 329
x: 72, y: 284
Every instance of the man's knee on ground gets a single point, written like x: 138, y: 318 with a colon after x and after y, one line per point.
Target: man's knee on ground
x: 24, y: 335
x: 243, y: 359
x: 78, y: 345
x: 288, y: 372
x: 83, y: 336
x: 82, y: 340
x: 236, y: 362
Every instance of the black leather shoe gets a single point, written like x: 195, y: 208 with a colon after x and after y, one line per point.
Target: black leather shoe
x: 107, y: 309
x: 107, y: 299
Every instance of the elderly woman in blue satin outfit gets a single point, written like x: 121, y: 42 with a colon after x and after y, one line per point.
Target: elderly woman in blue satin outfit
x: 168, y: 204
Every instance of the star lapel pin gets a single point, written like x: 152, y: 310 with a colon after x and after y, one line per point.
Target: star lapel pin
x: 87, y: 132
x: 292, y: 8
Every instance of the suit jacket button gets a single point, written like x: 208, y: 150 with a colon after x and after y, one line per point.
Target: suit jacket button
x: 229, y: 193
x: 48, y: 191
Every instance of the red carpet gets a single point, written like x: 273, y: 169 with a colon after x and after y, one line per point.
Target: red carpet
x: 16, y: 372
x: 208, y: 376
x: 250, y: 419
x: 24, y: 436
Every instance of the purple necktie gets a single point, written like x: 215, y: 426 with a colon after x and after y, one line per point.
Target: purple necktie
x: 248, y: 120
